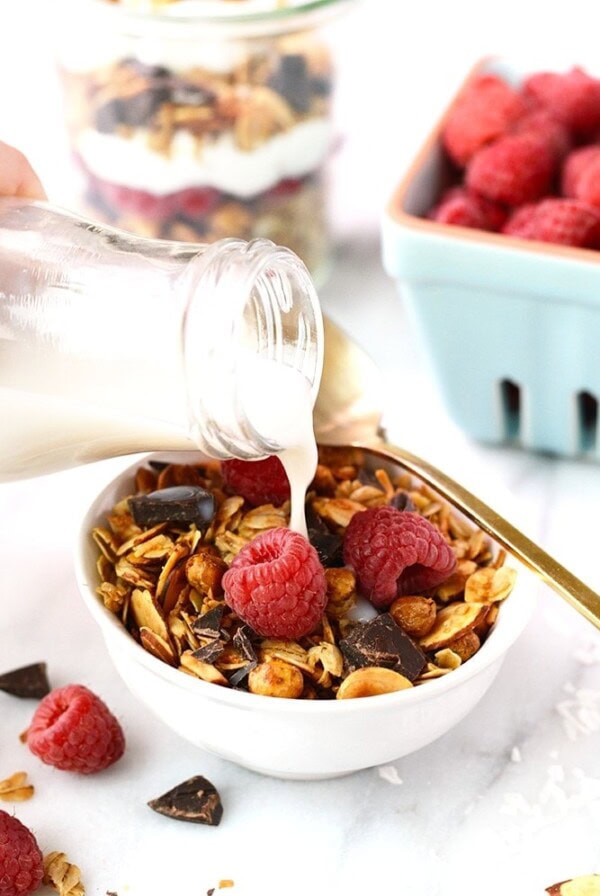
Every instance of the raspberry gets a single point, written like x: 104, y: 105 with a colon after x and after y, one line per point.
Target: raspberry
x: 195, y: 202
x: 481, y: 113
x: 587, y: 184
x: 572, y: 97
x: 258, y: 481
x: 135, y: 202
x: 540, y: 123
x: 286, y: 187
x: 565, y: 221
x: 21, y: 861
x: 513, y: 170
x: 73, y: 730
x: 463, y: 209
x: 575, y: 164
x: 395, y: 552
x: 277, y: 585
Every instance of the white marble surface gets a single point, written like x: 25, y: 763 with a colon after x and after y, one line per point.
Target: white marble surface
x: 506, y: 803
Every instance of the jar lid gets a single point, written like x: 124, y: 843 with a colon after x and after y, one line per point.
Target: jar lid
x: 240, y: 18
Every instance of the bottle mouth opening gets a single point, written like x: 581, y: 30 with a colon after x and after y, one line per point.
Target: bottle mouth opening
x: 252, y: 317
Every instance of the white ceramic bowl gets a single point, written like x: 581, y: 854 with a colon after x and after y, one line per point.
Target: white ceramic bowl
x: 293, y: 738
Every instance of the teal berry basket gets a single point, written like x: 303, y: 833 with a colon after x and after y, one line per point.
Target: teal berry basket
x: 511, y: 327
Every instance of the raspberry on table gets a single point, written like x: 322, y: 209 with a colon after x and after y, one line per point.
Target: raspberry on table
x: 258, y: 481
x: 482, y: 112
x: 395, y: 552
x: 513, y: 170
x: 572, y: 97
x: 461, y: 208
x: 73, y: 729
x: 568, y: 222
x: 21, y: 860
x: 277, y: 585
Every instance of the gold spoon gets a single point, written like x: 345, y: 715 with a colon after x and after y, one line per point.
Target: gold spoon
x: 347, y: 412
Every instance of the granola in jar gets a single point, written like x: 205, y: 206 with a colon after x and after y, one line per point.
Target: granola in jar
x: 203, y: 124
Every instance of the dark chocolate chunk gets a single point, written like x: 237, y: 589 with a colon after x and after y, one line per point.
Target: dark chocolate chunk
x: 27, y: 682
x: 292, y: 82
x: 209, y: 624
x: 108, y: 116
x: 368, y: 477
x: 158, y: 465
x: 138, y: 109
x: 210, y: 652
x: 185, y: 93
x: 327, y: 544
x: 403, y: 501
x: 239, y: 675
x: 381, y: 642
x: 242, y: 643
x: 321, y: 85
x: 179, y: 504
x: 195, y: 800
x: 145, y: 69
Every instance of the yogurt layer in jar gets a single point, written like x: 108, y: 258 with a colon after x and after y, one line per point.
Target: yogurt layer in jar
x: 197, y: 120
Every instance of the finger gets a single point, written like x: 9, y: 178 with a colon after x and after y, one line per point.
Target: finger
x: 17, y: 177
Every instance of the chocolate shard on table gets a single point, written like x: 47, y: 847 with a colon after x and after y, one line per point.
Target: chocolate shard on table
x: 381, y: 642
x: 177, y: 504
x: 195, y: 800
x: 28, y: 682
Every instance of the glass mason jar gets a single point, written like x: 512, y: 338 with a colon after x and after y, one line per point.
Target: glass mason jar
x: 198, y: 120
x: 112, y: 343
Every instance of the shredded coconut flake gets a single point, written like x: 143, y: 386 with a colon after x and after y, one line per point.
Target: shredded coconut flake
x: 580, y: 713
x: 515, y: 755
x: 390, y: 774
x: 588, y: 654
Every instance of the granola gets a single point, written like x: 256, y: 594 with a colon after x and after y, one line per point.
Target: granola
x: 164, y: 584
x: 226, y: 140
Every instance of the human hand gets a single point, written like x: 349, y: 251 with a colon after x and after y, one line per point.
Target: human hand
x: 17, y: 177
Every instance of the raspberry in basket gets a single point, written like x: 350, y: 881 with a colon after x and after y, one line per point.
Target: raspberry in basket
x: 513, y: 170
x: 258, y: 481
x: 21, y: 861
x: 572, y: 97
x: 72, y: 729
x: 563, y: 221
x: 482, y: 113
x: 464, y: 209
x: 277, y: 585
x: 395, y: 552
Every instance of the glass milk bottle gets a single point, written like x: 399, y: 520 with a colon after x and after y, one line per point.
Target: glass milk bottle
x: 112, y: 344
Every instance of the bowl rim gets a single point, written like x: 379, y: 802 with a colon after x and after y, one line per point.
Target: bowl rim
x: 503, y: 635
x: 396, y: 211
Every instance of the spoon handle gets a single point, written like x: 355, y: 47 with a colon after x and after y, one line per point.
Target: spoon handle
x: 568, y: 586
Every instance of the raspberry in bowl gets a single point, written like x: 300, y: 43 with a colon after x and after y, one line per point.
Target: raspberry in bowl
x: 284, y: 654
x: 198, y: 121
x: 493, y: 237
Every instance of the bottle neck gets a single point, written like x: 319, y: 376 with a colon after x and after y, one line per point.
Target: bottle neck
x: 252, y: 348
